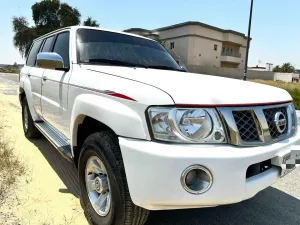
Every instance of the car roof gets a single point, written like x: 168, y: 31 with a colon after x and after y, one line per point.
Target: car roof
x: 75, y: 28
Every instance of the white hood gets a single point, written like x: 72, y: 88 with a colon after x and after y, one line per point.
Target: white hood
x: 191, y: 88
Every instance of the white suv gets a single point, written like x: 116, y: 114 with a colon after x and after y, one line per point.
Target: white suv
x: 146, y: 135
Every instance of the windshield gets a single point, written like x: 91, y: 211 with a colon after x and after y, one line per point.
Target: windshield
x: 104, y: 47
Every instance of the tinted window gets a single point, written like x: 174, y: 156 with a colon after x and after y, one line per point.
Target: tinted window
x: 48, y: 44
x: 93, y: 45
x: 61, y: 47
x: 33, y: 52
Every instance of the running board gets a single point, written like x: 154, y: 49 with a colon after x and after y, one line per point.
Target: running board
x: 56, y: 139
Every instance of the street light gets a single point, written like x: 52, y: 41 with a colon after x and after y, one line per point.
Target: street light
x: 248, y: 42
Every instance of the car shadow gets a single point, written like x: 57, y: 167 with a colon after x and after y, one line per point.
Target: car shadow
x: 270, y: 206
x: 66, y: 170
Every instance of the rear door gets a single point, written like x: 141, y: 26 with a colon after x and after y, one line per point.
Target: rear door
x: 55, y: 87
x: 35, y: 76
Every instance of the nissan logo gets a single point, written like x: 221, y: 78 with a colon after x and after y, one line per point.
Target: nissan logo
x: 280, y: 122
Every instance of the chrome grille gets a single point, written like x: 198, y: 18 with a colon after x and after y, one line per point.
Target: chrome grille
x: 246, y: 125
x: 270, y: 115
x: 253, y: 125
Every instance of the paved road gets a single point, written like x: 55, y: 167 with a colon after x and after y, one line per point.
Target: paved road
x: 277, y: 205
x: 9, y: 76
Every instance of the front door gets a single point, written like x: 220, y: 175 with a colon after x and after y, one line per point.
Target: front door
x: 55, y: 88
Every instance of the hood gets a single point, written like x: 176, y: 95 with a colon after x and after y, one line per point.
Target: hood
x: 199, y: 89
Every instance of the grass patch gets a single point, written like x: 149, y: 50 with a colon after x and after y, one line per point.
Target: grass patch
x: 10, y: 167
x: 292, y: 88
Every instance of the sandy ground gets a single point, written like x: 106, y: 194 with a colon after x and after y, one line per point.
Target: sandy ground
x: 48, y: 193
x: 45, y: 194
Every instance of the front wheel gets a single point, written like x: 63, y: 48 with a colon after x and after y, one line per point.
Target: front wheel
x: 104, y: 190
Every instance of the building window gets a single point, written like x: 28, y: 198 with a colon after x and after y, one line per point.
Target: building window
x: 172, y: 45
x: 216, y: 47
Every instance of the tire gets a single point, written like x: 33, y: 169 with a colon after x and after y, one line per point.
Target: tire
x: 104, y: 145
x: 30, y: 130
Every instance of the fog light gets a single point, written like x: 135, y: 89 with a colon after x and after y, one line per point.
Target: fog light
x: 196, y: 179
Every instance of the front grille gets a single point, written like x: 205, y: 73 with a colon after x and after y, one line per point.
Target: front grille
x: 246, y: 125
x: 270, y: 117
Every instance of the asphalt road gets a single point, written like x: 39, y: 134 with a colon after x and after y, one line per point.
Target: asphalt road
x: 276, y: 205
x: 9, y: 76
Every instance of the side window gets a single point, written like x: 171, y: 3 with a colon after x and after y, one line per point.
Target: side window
x: 61, y: 47
x: 33, y: 52
x: 48, y: 44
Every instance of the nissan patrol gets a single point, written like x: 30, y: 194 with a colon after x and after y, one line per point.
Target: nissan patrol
x: 147, y: 135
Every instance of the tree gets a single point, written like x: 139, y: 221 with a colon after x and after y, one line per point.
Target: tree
x: 48, y: 15
x: 90, y: 22
x: 277, y: 69
x: 285, y: 68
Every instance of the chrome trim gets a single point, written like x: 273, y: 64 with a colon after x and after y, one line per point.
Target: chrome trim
x: 195, y: 167
x: 232, y: 131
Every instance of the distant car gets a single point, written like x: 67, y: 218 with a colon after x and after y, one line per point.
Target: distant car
x: 144, y: 134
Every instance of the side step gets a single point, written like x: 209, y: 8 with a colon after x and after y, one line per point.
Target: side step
x: 56, y: 139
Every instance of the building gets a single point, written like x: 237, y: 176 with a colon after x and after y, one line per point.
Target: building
x: 262, y: 66
x: 195, y: 43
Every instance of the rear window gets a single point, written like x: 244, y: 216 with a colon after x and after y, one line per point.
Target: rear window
x: 33, y: 53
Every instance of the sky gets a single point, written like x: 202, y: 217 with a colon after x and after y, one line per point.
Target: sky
x: 275, y: 25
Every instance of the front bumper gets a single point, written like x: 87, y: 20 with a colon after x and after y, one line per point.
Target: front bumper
x: 153, y: 172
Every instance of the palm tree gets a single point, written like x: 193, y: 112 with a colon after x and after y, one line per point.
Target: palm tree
x: 277, y: 69
x: 287, y: 68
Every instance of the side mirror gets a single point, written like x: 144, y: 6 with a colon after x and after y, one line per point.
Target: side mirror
x: 50, y: 60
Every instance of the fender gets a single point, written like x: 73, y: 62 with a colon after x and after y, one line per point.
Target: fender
x: 107, y: 111
x: 26, y: 86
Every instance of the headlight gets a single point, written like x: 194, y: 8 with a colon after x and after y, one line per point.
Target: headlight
x: 186, y: 125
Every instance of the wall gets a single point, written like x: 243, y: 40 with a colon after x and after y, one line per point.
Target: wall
x: 243, y: 56
x: 286, y: 77
x: 231, y: 73
x: 173, y: 33
x: 180, y: 51
x: 201, y: 52
x: 229, y: 37
x: 205, y: 32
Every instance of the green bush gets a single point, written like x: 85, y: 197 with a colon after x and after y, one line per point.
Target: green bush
x: 292, y: 88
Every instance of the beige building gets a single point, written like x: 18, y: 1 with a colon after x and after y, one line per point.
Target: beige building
x: 195, y: 43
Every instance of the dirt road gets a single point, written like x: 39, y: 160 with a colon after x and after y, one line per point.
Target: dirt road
x: 48, y: 192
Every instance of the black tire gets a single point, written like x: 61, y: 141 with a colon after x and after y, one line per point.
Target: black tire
x: 30, y: 131
x: 105, y: 146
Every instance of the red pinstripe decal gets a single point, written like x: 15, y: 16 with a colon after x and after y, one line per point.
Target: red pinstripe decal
x: 231, y: 105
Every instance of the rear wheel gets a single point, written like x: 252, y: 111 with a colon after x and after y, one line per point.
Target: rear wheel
x: 104, y: 190
x: 30, y: 130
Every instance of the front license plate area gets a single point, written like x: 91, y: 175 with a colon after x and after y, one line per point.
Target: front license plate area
x: 282, y: 161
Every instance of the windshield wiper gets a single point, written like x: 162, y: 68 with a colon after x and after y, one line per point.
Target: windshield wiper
x: 164, y: 68
x: 115, y: 62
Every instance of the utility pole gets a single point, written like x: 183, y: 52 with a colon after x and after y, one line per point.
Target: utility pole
x: 248, y: 42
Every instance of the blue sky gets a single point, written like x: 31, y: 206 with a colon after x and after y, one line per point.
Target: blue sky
x: 275, y: 28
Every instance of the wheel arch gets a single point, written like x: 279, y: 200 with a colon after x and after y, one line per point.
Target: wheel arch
x: 83, y: 127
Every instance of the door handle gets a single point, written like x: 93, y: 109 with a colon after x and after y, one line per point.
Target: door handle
x: 44, y: 78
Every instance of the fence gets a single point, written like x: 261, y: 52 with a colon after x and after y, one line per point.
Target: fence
x: 231, y: 72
